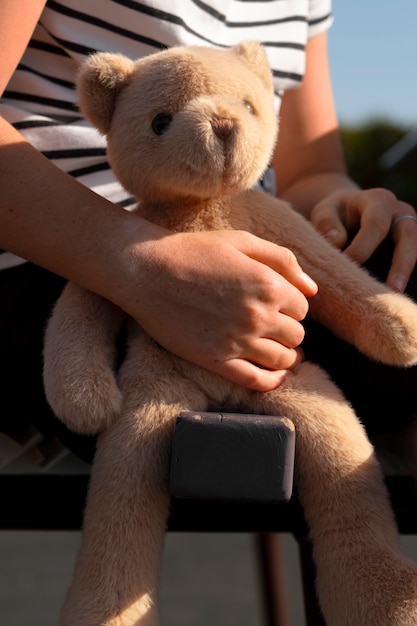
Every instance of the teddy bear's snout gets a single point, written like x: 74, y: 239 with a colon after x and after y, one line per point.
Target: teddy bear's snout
x: 222, y: 127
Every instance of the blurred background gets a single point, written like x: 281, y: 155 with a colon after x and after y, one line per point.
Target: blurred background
x: 207, y: 579
x: 373, y: 53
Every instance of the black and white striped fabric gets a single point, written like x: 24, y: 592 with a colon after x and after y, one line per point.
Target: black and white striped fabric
x: 40, y: 100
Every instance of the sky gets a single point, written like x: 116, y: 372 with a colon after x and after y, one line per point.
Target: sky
x: 373, y: 56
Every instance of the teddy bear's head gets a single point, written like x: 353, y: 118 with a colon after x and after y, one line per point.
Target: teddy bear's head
x: 188, y: 121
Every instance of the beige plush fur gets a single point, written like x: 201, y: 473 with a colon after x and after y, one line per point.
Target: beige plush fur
x: 196, y: 175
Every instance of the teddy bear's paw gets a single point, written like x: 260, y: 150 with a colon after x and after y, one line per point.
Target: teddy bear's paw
x: 78, y: 610
x: 380, y: 589
x: 392, y: 330
x: 89, y: 405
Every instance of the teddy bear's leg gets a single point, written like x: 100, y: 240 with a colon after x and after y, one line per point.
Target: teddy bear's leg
x: 362, y: 578
x: 117, y: 571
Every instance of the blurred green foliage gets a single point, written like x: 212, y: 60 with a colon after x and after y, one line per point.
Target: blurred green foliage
x: 364, y: 146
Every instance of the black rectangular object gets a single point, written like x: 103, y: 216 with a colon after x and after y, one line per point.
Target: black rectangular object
x: 232, y: 457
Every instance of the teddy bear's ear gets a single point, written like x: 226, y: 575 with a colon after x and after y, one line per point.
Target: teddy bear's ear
x: 100, y: 80
x: 254, y: 55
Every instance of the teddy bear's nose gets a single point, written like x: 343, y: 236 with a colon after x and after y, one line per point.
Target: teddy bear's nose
x: 223, y: 127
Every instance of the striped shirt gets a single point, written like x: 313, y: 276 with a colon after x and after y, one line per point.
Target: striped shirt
x: 40, y: 100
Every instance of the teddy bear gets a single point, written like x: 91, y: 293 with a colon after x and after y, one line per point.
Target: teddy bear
x: 190, y: 130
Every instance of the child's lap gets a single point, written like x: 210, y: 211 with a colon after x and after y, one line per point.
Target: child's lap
x: 383, y: 397
x: 27, y: 295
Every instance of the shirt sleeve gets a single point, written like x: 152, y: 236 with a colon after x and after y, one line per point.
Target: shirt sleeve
x: 320, y: 16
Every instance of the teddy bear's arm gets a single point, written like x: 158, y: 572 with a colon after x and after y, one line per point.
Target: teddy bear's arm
x: 79, y: 356
x: 356, y: 307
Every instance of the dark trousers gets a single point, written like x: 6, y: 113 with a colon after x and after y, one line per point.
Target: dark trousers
x: 385, y: 398
x: 27, y: 295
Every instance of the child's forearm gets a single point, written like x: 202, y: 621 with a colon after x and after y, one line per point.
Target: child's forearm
x: 306, y: 192
x: 52, y: 220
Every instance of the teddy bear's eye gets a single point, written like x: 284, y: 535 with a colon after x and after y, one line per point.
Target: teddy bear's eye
x: 161, y: 122
x: 249, y: 107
